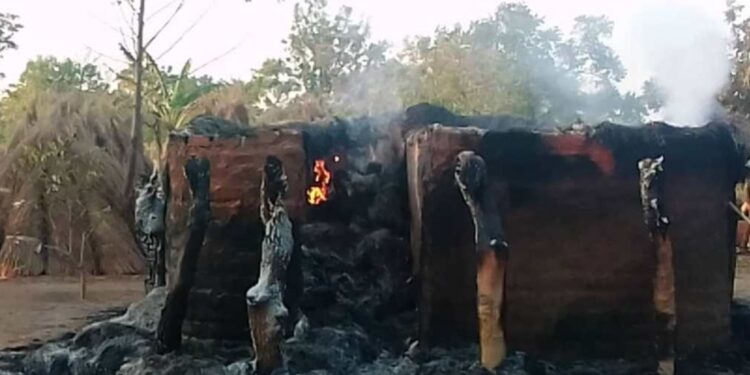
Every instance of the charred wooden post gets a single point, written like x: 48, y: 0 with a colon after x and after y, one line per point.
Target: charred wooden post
x: 492, y: 255
x: 169, y: 331
x: 150, y: 215
x: 265, y: 300
x: 664, y: 279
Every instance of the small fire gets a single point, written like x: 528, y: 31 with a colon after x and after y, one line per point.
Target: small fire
x: 318, y: 193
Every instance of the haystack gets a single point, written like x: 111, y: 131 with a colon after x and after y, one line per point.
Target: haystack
x: 62, y: 184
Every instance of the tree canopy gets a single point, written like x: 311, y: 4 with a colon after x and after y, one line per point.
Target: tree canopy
x: 9, y: 26
x: 510, y: 62
x: 46, y: 75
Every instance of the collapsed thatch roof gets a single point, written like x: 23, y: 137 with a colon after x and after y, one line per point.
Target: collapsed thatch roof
x: 62, y: 184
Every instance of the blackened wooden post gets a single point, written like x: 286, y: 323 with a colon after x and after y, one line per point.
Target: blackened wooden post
x: 169, y: 331
x: 265, y: 300
x: 492, y: 255
x: 664, y: 282
x: 150, y: 227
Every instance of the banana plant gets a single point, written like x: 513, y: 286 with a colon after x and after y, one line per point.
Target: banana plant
x: 169, y: 99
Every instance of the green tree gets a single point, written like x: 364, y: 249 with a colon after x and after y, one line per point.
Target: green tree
x: 51, y: 73
x: 9, y: 26
x: 274, y: 84
x: 42, y: 76
x: 512, y: 62
x: 463, y: 73
x: 323, y: 51
x: 325, y: 47
x: 167, y: 97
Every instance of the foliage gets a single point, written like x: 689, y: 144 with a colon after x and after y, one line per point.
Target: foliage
x: 736, y: 98
x: 510, y: 62
x: 167, y: 97
x: 66, y: 164
x: 453, y: 70
x: 9, y: 26
x: 324, y: 51
x: 325, y: 48
x: 42, y: 76
x: 50, y: 73
x: 274, y: 84
x: 513, y: 63
x: 63, y: 173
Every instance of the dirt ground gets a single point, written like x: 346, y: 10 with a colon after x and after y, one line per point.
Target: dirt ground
x: 42, y: 308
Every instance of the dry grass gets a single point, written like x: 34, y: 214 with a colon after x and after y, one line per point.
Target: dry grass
x: 63, y: 175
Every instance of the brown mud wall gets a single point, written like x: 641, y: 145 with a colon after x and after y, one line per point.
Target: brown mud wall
x: 229, y: 260
x: 581, y: 263
x: 435, y: 202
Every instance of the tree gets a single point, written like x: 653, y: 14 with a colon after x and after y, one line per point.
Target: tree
x: 598, y: 70
x: 51, y: 73
x: 458, y: 70
x: 42, y: 76
x: 168, y: 98
x: 512, y: 62
x: 136, y: 60
x: 274, y: 84
x: 324, y: 50
x: 136, y: 47
x: 9, y: 26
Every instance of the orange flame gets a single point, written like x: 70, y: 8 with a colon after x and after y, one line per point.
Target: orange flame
x: 318, y: 193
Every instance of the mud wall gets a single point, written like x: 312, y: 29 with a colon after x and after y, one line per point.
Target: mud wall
x: 229, y: 260
x: 436, y: 203
x: 581, y: 263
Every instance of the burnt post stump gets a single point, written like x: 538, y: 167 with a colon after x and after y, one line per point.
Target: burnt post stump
x: 265, y: 300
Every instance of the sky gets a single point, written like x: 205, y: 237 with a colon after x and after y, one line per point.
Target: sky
x: 243, y: 34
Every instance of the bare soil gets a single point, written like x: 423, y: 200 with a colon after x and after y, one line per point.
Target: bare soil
x: 33, y: 310
x: 36, y: 309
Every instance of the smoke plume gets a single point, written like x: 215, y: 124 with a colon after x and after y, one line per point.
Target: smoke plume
x: 685, y: 50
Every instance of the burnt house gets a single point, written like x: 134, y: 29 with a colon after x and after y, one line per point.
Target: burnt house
x: 581, y: 263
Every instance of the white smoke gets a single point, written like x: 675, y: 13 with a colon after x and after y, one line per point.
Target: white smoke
x: 685, y: 49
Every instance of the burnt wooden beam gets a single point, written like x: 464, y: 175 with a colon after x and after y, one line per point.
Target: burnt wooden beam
x: 169, y: 331
x: 161, y: 253
x: 491, y: 252
x: 657, y: 223
x: 267, y: 313
x: 150, y: 214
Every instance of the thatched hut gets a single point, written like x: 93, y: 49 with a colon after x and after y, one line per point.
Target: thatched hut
x: 62, y: 184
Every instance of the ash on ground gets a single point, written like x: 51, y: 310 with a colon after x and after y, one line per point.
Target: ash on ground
x: 360, y: 318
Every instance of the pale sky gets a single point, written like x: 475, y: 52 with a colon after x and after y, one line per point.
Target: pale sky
x: 86, y: 29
